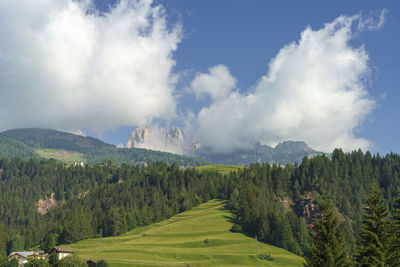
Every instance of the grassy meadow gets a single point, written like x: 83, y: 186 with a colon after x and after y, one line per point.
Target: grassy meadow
x: 180, y: 241
x: 63, y: 155
x: 223, y: 169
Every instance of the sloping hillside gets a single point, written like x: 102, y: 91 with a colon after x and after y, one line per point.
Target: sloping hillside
x: 46, y: 143
x: 10, y: 148
x: 47, y: 138
x: 199, y: 237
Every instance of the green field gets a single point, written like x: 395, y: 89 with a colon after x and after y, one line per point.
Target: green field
x: 180, y: 241
x: 223, y: 169
x: 59, y: 154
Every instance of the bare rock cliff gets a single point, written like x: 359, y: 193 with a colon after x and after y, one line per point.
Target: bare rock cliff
x: 157, y: 138
x: 138, y: 136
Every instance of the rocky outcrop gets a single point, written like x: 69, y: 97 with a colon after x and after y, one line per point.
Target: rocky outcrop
x: 45, y: 205
x: 138, y: 136
x: 175, y: 136
x: 193, y: 146
x: 306, y: 207
x: 157, y: 138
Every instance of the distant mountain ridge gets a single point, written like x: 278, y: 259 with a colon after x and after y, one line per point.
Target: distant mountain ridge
x: 25, y: 143
x: 30, y: 143
x: 288, y: 151
x: 157, y: 138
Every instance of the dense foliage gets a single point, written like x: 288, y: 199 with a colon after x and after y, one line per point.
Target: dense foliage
x: 103, y: 196
x: 394, y: 235
x: 328, y: 244
x: 274, y: 203
x: 11, y: 148
x: 373, y: 247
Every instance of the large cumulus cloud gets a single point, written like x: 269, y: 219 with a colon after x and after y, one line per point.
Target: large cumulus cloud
x: 314, y: 91
x: 63, y: 65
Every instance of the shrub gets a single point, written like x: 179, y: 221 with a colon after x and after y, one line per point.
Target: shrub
x: 236, y: 228
x: 267, y: 257
x: 102, y: 263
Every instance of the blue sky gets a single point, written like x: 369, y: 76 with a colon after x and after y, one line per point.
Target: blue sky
x: 242, y: 38
x: 245, y: 36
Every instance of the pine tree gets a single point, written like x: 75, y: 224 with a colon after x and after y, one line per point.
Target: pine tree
x: 373, y: 245
x: 328, y: 244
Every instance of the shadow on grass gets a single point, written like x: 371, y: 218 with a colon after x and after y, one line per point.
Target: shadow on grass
x: 225, y: 206
x: 231, y: 219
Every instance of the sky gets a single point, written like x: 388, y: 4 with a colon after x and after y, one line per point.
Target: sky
x: 229, y: 73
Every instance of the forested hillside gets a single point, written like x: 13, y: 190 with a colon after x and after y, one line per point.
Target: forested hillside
x: 270, y: 201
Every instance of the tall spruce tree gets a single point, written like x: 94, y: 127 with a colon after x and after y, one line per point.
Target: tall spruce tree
x: 373, y: 244
x: 394, y: 249
x: 328, y: 246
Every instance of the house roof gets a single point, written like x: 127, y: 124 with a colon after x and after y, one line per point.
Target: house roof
x: 62, y: 250
x: 25, y: 254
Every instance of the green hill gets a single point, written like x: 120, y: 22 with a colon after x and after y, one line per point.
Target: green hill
x: 46, y: 143
x: 47, y: 138
x: 181, y: 241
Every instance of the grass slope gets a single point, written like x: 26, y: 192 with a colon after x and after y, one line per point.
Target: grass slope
x: 59, y: 154
x: 223, y: 169
x: 179, y: 241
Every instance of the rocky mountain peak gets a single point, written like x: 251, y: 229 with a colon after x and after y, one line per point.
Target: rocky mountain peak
x: 139, y: 136
x: 157, y: 138
x: 293, y: 146
x: 175, y: 135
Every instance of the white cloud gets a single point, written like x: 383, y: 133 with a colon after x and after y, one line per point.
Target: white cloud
x: 63, y: 66
x: 372, y: 22
x: 217, y: 84
x: 314, y: 91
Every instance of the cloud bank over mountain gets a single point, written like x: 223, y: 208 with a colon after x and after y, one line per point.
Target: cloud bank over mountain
x: 314, y: 91
x: 217, y: 84
x: 65, y: 66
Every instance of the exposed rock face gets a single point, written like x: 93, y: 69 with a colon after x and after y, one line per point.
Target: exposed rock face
x: 193, y: 146
x: 157, y: 138
x: 45, y: 205
x: 175, y: 136
x: 139, y: 136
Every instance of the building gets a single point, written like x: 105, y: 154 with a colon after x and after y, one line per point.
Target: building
x: 61, y: 252
x: 24, y: 256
